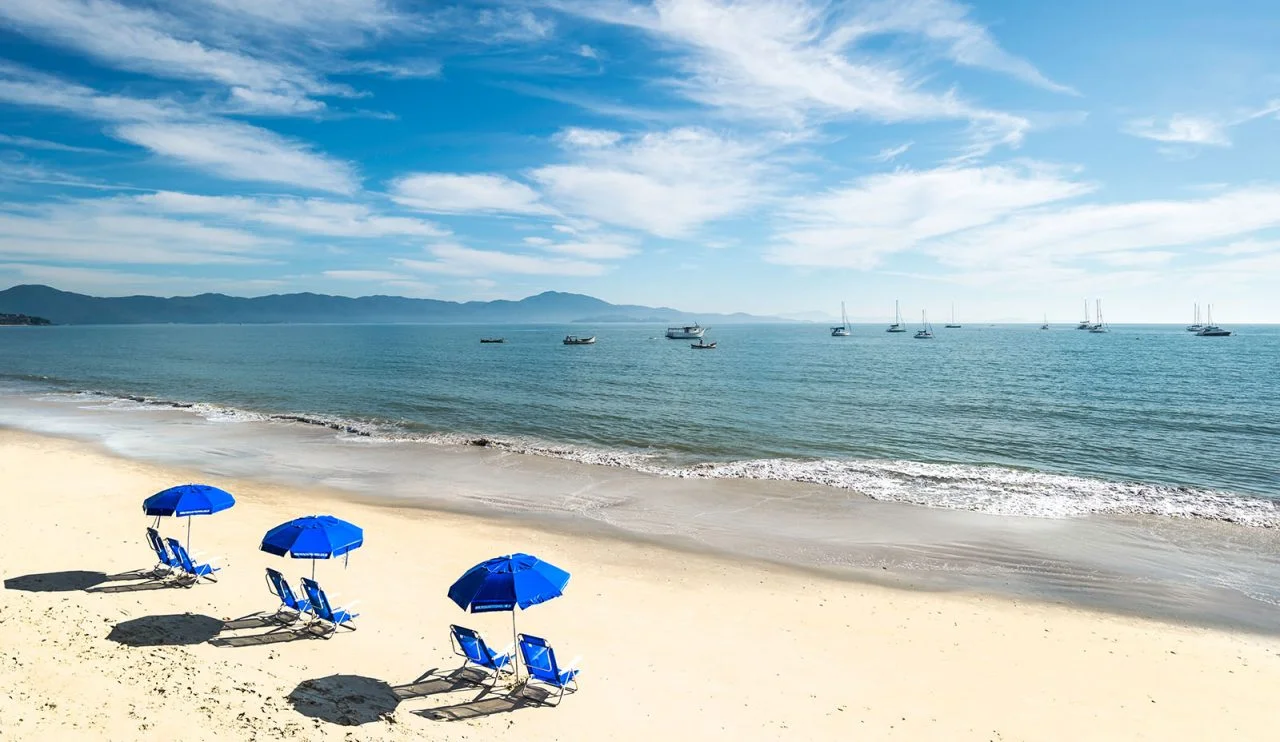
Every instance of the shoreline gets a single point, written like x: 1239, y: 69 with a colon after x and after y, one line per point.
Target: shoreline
x: 674, y: 644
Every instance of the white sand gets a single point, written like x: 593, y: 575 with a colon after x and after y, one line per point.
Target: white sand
x: 675, y: 646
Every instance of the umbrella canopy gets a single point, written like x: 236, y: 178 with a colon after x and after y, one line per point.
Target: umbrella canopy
x: 188, y: 499
x: 313, y: 537
x: 503, y: 583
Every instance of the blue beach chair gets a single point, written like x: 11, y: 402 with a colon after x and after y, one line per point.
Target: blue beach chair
x: 325, y: 613
x: 469, y: 644
x: 167, y: 563
x: 193, y: 571
x: 291, y: 608
x: 540, y: 660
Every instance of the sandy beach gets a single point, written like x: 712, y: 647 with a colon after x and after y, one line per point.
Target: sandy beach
x: 673, y: 645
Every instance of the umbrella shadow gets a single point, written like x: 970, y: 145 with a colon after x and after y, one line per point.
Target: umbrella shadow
x: 56, y: 582
x: 166, y: 630
x: 349, y: 700
x: 487, y: 704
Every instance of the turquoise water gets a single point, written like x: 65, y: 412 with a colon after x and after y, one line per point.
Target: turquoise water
x: 1143, y: 419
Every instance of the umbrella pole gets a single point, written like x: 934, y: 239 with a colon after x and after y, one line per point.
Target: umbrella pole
x: 188, y: 533
x: 313, y: 570
x: 515, y: 646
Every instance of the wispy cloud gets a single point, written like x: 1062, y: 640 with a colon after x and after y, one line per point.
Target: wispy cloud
x: 889, y: 154
x: 305, y: 216
x: 31, y: 143
x: 456, y: 260
x: 1181, y: 129
x: 461, y: 193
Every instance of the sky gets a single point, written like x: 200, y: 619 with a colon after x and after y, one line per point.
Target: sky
x: 1013, y: 159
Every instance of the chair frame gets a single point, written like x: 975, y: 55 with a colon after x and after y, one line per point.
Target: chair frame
x: 286, y: 614
x: 319, y: 600
x: 168, y: 563
x: 192, y: 571
x: 569, y: 685
x: 495, y: 671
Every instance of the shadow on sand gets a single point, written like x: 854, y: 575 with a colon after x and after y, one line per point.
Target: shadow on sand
x: 486, y: 700
x: 166, y: 630
x: 278, y: 631
x: 349, y: 700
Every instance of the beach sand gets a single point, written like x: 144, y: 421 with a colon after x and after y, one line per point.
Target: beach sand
x: 674, y: 645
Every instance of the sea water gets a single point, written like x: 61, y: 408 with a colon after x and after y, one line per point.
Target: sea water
x: 1042, y: 457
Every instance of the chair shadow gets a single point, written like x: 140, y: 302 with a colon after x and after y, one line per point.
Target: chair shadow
x: 481, y: 706
x: 257, y: 620
x: 166, y: 630
x: 433, y: 682
x: 278, y: 635
x: 349, y: 700
x: 56, y: 582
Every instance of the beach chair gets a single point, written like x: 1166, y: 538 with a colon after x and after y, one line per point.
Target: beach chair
x: 540, y: 660
x: 324, y: 613
x: 291, y: 608
x: 167, y: 562
x: 193, y: 571
x: 470, y: 645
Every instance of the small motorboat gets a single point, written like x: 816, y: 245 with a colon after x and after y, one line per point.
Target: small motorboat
x: 702, y: 345
x: 493, y: 340
x: 575, y: 340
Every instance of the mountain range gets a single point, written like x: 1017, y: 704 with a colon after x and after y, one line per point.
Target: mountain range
x: 551, y: 307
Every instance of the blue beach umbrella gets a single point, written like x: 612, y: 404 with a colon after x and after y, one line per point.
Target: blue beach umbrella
x: 506, y: 583
x: 187, y: 500
x: 313, y: 537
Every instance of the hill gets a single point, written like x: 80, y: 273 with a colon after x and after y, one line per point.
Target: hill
x: 551, y: 307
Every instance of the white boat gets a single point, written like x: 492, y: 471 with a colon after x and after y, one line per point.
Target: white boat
x: 897, y: 320
x: 1085, y: 324
x: 1211, y: 330
x: 841, y: 331
x: 688, y: 332
x: 953, y: 325
x: 1098, y: 326
x: 1196, y: 326
x: 575, y: 340
x: 1045, y: 326
x: 926, y: 332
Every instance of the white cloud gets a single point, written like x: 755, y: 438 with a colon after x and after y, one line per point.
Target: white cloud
x: 789, y: 61
x: 512, y: 25
x: 1181, y: 129
x: 405, y: 69
x: 588, y: 52
x: 574, y: 136
x: 242, y: 152
x: 1247, y: 247
x: 461, y: 193
x: 889, y: 154
x: 967, y: 43
x: 857, y: 225
x: 667, y: 183
x: 594, y: 249
x: 366, y: 275
x: 311, y: 216
x: 31, y: 143
x: 457, y: 260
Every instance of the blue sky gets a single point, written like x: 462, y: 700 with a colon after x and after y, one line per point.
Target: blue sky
x: 770, y: 156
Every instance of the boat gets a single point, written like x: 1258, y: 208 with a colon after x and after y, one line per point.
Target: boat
x: 688, y: 332
x: 1045, y: 326
x: 575, y: 340
x: 1098, y: 326
x: 953, y: 325
x: 897, y: 320
x: 493, y: 340
x: 841, y: 331
x: 1211, y: 330
x: 1196, y: 326
x: 702, y: 345
x: 926, y: 332
x: 1085, y: 324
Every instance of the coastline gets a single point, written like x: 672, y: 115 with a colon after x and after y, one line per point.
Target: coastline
x: 685, y: 645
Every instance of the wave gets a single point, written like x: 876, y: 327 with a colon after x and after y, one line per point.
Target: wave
x: 990, y: 489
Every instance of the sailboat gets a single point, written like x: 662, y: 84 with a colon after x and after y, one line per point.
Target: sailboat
x: 897, y: 319
x: 926, y: 332
x: 1196, y: 326
x: 1085, y: 324
x: 842, y: 331
x: 1045, y: 326
x: 1098, y: 326
x: 953, y: 325
x: 1211, y: 330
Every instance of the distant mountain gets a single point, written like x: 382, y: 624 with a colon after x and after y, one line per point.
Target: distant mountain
x: 22, y: 319
x: 551, y: 307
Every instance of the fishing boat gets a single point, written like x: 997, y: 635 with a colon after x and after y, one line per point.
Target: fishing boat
x: 702, y: 345
x: 897, y: 320
x: 1085, y: 324
x: 493, y: 340
x: 575, y: 340
x: 1045, y: 326
x: 687, y: 332
x: 953, y: 325
x: 842, y: 330
x: 1100, y: 325
x: 1196, y: 325
x: 1211, y: 330
x: 926, y: 332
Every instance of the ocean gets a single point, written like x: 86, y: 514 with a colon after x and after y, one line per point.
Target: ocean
x: 1145, y: 453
